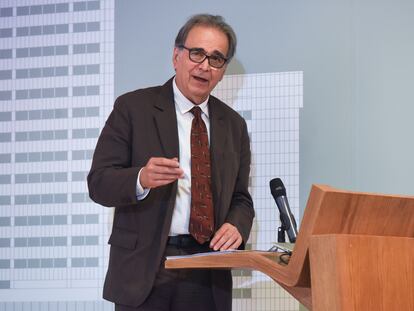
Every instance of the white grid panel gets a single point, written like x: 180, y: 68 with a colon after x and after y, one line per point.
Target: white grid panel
x: 270, y: 103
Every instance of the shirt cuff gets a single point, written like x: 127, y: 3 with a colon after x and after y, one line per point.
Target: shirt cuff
x: 140, y: 191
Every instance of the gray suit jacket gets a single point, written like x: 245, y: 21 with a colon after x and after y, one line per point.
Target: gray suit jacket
x: 143, y: 124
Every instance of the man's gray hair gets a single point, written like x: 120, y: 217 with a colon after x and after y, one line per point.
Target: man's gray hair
x: 215, y: 21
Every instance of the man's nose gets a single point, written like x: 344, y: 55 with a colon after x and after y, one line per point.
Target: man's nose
x: 205, y: 65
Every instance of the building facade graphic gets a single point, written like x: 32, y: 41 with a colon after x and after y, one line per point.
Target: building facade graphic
x: 56, y: 91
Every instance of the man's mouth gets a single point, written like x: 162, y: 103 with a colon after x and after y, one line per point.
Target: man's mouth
x: 200, y: 79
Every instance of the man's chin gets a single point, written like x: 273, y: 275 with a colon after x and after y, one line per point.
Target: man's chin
x: 200, y: 94
x: 200, y: 86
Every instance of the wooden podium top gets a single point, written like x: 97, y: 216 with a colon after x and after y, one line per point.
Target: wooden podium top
x: 329, y: 211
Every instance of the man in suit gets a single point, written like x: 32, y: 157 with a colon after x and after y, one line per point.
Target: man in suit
x: 175, y: 163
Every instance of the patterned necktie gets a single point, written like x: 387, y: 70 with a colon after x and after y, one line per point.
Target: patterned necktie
x: 202, y: 214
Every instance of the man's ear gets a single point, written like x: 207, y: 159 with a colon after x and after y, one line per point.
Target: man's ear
x: 175, y: 57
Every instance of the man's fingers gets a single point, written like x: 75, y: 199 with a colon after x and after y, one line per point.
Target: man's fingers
x: 227, y: 237
x: 160, y: 171
x: 230, y: 241
x: 220, y: 243
x: 164, y: 166
x: 233, y: 243
x: 157, y: 176
x: 167, y: 170
x: 156, y: 180
x: 226, y: 242
x: 164, y: 162
x: 217, y: 236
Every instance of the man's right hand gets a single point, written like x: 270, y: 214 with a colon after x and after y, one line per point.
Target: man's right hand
x: 159, y: 172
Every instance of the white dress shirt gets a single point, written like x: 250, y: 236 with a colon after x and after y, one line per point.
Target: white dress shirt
x: 181, y: 214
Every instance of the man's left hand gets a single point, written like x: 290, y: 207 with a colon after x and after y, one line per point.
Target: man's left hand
x: 227, y: 237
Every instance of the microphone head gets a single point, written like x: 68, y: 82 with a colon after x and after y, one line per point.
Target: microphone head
x: 277, y: 188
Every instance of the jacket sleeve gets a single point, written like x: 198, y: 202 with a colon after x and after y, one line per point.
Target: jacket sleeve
x: 241, y: 212
x: 112, y: 180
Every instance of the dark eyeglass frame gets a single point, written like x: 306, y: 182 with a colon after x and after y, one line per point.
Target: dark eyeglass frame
x: 200, y: 50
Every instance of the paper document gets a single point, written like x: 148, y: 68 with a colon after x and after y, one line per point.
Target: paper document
x: 204, y: 254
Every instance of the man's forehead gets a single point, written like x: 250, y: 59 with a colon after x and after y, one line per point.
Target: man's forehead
x: 209, y: 38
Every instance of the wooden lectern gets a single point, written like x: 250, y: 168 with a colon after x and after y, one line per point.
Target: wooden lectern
x: 354, y: 251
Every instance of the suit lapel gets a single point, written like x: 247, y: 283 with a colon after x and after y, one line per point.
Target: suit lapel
x: 166, y: 121
x: 218, y: 136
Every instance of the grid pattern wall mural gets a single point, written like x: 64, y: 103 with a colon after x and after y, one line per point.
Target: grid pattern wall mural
x: 56, y: 91
x: 270, y: 104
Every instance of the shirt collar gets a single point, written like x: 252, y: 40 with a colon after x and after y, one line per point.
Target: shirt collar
x: 184, y: 104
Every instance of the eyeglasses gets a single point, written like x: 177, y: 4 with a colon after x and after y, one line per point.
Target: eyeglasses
x: 198, y: 55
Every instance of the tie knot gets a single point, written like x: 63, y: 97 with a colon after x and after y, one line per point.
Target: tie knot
x: 196, y: 111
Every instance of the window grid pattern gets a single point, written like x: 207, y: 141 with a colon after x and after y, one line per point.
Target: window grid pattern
x: 6, y: 74
x: 42, y: 9
x: 49, y: 177
x: 56, y: 92
x: 47, y: 156
x: 41, y: 241
x: 47, y: 72
x: 270, y: 104
x: 6, y: 32
x: 42, y: 72
x: 44, y: 114
x: 42, y: 30
x: 42, y: 51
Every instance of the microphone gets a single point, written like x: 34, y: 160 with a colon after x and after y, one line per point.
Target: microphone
x: 287, y: 219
